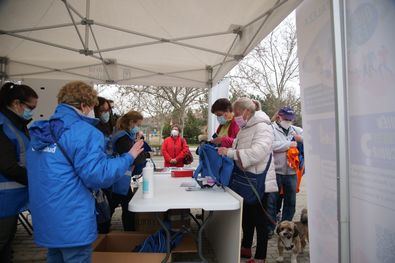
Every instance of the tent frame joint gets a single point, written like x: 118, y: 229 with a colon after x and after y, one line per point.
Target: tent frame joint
x: 86, y: 21
x: 86, y: 52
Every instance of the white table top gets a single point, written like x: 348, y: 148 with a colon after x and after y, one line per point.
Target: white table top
x: 169, y: 195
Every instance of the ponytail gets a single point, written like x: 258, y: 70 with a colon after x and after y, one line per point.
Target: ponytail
x: 10, y: 92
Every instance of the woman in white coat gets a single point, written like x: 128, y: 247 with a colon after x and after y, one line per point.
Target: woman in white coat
x: 252, y: 152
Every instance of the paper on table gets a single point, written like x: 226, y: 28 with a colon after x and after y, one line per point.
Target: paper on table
x: 188, y: 184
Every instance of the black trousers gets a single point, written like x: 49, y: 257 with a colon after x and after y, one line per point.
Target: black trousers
x: 7, y: 232
x: 255, y: 219
x: 128, y: 218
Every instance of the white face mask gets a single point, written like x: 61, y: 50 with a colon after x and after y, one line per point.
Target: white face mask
x: 91, y: 114
x: 174, y: 133
x: 285, y: 124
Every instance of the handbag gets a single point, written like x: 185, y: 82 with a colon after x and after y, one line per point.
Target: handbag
x: 102, y: 207
x: 248, y: 185
x: 188, y: 158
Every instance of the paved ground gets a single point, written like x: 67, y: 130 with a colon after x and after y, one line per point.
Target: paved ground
x: 27, y: 251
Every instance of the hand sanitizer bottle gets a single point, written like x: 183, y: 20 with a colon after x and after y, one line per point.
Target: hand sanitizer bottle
x: 148, y: 180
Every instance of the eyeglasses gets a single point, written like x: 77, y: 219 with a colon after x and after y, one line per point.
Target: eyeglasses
x: 27, y: 105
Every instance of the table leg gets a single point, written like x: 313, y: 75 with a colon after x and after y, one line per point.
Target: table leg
x: 168, y: 236
x: 200, y: 236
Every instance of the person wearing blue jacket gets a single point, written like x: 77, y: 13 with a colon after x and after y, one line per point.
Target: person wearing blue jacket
x: 17, y: 103
x: 65, y: 162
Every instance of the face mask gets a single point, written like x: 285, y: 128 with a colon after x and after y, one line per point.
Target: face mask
x: 174, y: 133
x: 240, y: 121
x: 27, y: 114
x: 134, y: 130
x: 91, y: 114
x: 285, y: 124
x: 221, y: 120
x: 105, y: 117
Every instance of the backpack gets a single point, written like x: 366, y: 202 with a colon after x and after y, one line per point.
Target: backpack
x: 218, y: 167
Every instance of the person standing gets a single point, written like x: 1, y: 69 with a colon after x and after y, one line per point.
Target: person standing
x: 228, y: 128
x: 17, y: 104
x: 252, y: 153
x: 286, y: 136
x: 72, y: 164
x: 174, y: 148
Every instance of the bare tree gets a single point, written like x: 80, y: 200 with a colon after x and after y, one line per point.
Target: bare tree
x: 162, y: 103
x: 271, y: 69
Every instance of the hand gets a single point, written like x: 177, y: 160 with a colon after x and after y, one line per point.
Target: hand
x: 222, y: 151
x: 136, y: 149
x: 173, y: 161
x: 293, y: 144
x: 217, y: 140
x: 298, y: 138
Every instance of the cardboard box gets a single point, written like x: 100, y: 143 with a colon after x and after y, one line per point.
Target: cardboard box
x: 147, y: 222
x: 118, y: 246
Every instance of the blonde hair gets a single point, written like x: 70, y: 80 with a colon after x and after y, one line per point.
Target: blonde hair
x: 123, y: 123
x: 76, y: 92
x: 258, y: 105
x: 244, y: 103
x: 275, y: 117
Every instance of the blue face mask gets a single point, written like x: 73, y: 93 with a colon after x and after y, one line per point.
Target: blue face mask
x: 134, y: 131
x: 105, y: 117
x: 221, y: 120
x: 27, y: 114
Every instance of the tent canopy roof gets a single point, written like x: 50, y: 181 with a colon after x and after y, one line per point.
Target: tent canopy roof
x: 174, y: 43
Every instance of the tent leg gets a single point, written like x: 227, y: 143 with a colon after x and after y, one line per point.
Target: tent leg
x: 3, y: 69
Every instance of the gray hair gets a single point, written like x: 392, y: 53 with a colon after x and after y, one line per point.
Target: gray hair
x: 244, y: 103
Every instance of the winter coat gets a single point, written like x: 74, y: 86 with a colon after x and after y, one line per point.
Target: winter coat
x: 61, y: 200
x: 233, y: 129
x: 14, y: 141
x: 174, y: 148
x: 254, y: 142
x: 281, y: 145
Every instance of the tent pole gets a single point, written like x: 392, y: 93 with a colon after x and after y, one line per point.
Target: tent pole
x: 40, y: 28
x: 227, y: 53
x: 88, y: 4
x: 52, y: 70
x: 210, y: 128
x: 3, y: 70
x: 75, y: 25
x: 39, y: 41
x: 260, y: 27
x: 342, y: 130
x: 277, y: 5
x: 101, y: 57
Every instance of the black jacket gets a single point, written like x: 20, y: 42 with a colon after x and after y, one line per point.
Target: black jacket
x: 9, y: 166
x: 124, y: 144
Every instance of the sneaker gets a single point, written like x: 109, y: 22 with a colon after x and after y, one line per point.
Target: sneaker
x: 245, y: 252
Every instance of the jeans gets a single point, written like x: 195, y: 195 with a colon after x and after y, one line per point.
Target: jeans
x: 288, y: 182
x: 254, y: 218
x: 272, y: 208
x: 70, y: 254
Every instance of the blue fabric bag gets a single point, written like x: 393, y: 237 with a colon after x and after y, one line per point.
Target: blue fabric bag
x: 214, y: 165
x: 156, y: 243
x: 248, y: 185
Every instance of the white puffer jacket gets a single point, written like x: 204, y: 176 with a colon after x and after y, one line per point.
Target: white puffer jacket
x: 254, y: 143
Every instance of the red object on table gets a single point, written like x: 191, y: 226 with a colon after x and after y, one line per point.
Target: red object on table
x: 182, y: 173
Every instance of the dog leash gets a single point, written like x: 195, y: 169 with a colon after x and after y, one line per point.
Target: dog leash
x: 254, y: 189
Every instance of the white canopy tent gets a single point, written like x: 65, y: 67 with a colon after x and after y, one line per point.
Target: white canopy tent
x: 174, y: 43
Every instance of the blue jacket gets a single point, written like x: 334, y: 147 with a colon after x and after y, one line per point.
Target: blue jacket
x: 61, y: 202
x: 13, y: 196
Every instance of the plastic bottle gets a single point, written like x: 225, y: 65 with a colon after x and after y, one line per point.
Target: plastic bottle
x: 148, y: 180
